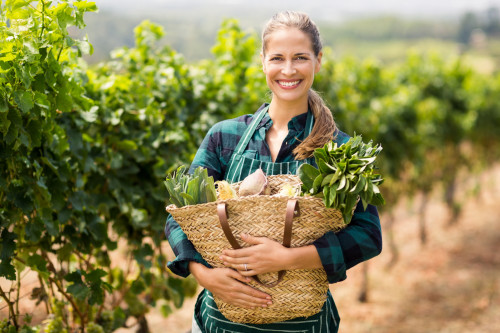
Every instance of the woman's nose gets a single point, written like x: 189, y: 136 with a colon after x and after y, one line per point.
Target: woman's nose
x: 288, y: 68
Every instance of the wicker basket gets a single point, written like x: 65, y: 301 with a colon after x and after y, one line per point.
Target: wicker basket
x: 300, y: 293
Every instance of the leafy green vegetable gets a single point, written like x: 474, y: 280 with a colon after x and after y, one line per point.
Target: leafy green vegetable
x: 184, y: 189
x: 344, y: 175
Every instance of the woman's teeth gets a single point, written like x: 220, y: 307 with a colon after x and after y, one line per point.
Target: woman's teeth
x: 288, y: 84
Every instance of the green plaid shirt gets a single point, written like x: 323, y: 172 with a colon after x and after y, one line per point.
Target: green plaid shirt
x: 359, y: 241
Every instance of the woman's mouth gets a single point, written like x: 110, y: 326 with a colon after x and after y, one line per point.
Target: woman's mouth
x: 289, y: 84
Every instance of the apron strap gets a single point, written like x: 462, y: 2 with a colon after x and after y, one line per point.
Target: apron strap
x: 242, y: 144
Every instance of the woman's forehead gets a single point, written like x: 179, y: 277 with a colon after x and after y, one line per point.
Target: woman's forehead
x: 288, y: 40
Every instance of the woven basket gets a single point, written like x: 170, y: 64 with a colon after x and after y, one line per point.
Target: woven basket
x: 302, y: 292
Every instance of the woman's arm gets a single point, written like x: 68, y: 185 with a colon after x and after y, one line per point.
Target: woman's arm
x: 183, y: 249
x: 335, y: 252
x: 225, y: 283
x: 207, y: 157
x: 359, y: 241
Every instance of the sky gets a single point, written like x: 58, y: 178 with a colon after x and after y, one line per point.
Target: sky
x: 323, y: 9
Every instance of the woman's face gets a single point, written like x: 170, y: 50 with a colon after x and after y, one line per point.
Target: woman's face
x: 290, y: 64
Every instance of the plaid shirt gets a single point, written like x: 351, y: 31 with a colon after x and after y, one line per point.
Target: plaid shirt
x: 359, y: 241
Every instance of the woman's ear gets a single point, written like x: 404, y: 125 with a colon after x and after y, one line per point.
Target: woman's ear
x: 318, y: 62
x: 262, y: 58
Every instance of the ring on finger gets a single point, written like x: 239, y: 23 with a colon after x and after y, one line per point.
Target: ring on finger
x: 246, y: 268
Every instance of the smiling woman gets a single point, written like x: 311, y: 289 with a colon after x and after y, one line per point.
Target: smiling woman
x: 278, y: 138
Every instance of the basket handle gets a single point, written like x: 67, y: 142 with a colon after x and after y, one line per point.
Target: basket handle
x: 292, y: 209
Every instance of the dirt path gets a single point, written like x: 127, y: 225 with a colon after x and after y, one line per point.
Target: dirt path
x: 452, y: 284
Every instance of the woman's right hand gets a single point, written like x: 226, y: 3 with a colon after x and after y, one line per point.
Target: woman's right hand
x: 229, y: 285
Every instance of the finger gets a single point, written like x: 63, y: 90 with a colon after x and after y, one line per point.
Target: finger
x: 240, y: 253
x: 253, y: 301
x: 252, y: 240
x: 228, y: 260
x: 248, y: 273
x: 248, y: 290
x: 240, y: 277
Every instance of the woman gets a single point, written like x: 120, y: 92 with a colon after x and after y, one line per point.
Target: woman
x: 278, y: 138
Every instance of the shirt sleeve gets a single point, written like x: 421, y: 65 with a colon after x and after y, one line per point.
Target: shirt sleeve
x: 206, y: 157
x: 183, y: 249
x: 359, y: 241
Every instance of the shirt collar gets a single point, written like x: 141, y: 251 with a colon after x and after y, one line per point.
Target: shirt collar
x: 296, y: 124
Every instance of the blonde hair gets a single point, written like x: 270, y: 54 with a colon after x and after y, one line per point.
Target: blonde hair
x: 324, y: 125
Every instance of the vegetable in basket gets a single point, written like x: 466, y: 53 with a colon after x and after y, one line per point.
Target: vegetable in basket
x: 184, y: 189
x: 345, y: 175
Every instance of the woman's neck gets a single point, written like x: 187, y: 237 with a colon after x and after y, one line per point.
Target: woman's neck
x: 282, y: 113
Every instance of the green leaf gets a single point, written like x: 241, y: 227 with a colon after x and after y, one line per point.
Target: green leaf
x: 320, y: 154
x: 34, y: 230
x: 143, y: 255
x: 64, y: 253
x: 335, y: 177
x: 333, y: 196
x: 64, y: 101
x: 91, y: 115
x: 172, y: 194
x: 19, y: 14
x: 377, y: 200
x: 166, y: 310
x: 350, y: 203
x: 34, y: 129
x: 307, y: 174
x: 42, y: 101
x: 327, y: 179
x: 324, y: 167
x: 189, y: 200
x: 95, y: 275
x: 126, y: 145
x: 342, y: 183
x: 97, y: 286
x: 137, y: 286
x: 37, y: 263
x: 86, y: 6
x: 79, y: 290
x: 63, y: 14
x: 23, y: 99
x: 177, y: 291
x: 360, y: 185
x: 211, y: 193
x: 326, y: 196
x: 3, y: 105
x: 7, y: 250
x: 317, y: 184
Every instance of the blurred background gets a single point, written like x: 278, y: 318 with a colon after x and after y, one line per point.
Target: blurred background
x: 385, y: 29
x: 99, y: 103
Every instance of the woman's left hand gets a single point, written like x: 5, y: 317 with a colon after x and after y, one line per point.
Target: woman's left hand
x: 264, y: 256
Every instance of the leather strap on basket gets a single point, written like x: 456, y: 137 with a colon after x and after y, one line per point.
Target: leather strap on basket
x: 292, y: 209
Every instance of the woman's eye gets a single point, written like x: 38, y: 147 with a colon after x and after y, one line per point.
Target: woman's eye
x: 275, y: 58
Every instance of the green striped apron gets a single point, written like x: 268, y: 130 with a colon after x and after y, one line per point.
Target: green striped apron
x: 207, y: 317
x: 240, y: 166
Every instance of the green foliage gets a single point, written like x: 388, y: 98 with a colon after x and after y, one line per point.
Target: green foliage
x: 83, y: 151
x: 69, y: 190
x: 344, y: 175
x: 184, y: 189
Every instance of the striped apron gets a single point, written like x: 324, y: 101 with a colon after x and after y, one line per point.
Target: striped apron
x: 207, y: 317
